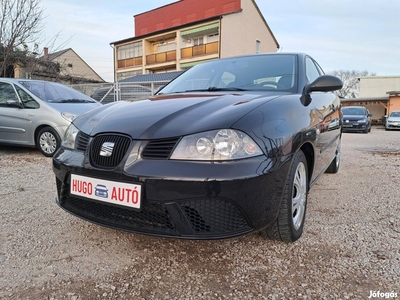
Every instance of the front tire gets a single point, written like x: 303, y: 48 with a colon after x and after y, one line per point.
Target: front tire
x: 48, y: 141
x: 289, y: 225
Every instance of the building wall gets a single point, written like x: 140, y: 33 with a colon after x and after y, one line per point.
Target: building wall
x: 394, y: 103
x: 240, y: 31
x: 378, y: 86
x: 73, y: 65
x: 182, y: 12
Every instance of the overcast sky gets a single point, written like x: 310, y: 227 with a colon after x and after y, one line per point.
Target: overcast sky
x: 339, y: 34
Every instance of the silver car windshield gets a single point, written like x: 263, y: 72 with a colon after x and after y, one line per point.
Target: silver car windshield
x: 53, y: 92
x: 252, y: 73
x: 395, y: 114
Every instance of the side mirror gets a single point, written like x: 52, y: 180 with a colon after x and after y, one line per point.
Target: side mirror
x: 13, y: 103
x: 324, y: 83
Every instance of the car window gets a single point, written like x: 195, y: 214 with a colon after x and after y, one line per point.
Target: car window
x: 354, y: 111
x: 7, y: 92
x: 312, y: 72
x: 27, y: 100
x: 395, y: 114
x: 53, y: 92
x: 257, y: 73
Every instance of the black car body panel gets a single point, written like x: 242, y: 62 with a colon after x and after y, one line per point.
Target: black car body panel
x: 200, y: 199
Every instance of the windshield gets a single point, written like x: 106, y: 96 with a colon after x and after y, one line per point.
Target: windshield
x: 251, y: 73
x: 53, y: 92
x: 395, y: 114
x: 353, y: 111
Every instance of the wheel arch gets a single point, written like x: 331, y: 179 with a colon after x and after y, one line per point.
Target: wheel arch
x: 308, y: 151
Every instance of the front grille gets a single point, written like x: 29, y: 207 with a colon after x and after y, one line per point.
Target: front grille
x: 121, y: 146
x: 214, y: 216
x: 152, y: 217
x: 159, y: 149
x: 82, y: 141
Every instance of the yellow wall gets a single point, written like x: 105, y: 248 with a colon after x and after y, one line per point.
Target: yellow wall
x: 394, y: 103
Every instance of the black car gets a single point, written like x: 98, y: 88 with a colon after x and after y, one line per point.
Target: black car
x: 356, y: 119
x: 230, y: 147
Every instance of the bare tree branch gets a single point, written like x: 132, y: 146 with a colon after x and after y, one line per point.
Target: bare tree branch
x: 20, y: 24
x: 351, y: 82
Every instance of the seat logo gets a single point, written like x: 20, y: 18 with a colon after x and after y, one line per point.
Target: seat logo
x: 107, y: 149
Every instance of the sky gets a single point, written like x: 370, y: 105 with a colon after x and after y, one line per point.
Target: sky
x: 339, y: 34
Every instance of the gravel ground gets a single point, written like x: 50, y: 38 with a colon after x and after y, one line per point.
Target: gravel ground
x: 349, y: 249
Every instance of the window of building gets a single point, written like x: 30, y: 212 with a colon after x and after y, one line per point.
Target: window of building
x: 130, y: 51
x: 198, y: 41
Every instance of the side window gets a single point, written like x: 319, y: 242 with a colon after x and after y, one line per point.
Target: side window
x: 7, y: 92
x: 27, y: 100
x: 312, y: 72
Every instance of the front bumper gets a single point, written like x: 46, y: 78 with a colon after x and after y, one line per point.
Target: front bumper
x: 193, y: 200
x: 354, y: 127
x: 394, y: 125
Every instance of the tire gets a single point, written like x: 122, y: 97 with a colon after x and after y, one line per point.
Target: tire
x: 335, y: 164
x: 289, y: 225
x: 48, y: 141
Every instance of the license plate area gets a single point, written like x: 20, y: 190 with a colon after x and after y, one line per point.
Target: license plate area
x: 117, y: 193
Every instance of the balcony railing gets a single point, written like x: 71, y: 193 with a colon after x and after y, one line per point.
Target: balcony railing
x: 130, y: 62
x: 210, y: 48
x: 161, y: 57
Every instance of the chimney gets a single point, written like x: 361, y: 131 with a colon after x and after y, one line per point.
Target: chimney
x: 46, y: 52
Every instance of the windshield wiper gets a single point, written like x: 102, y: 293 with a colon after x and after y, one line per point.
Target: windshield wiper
x: 76, y: 101
x: 216, y: 89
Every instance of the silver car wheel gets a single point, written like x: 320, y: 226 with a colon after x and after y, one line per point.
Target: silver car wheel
x: 299, y: 196
x: 48, y: 142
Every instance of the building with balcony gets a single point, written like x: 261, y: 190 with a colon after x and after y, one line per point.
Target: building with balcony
x: 182, y: 34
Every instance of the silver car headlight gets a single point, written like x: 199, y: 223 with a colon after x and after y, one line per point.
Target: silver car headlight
x: 69, y: 116
x: 69, y: 137
x: 216, y: 145
x: 362, y: 121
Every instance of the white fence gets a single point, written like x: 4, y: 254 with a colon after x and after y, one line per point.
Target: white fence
x: 110, y: 92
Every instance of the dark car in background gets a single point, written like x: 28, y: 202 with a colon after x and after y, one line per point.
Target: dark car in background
x: 36, y: 113
x: 356, y: 119
x: 231, y: 146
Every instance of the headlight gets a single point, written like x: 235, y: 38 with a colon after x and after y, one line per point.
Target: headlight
x: 362, y: 121
x: 216, y: 145
x: 69, y: 137
x: 68, y: 116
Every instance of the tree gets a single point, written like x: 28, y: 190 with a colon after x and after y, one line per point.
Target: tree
x: 351, y: 82
x: 20, y: 24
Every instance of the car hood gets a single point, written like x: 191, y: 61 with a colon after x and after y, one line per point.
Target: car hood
x: 75, y: 108
x: 174, y: 115
x: 353, y: 117
x: 394, y: 119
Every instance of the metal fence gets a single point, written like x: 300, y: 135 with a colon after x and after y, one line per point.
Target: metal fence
x: 110, y: 92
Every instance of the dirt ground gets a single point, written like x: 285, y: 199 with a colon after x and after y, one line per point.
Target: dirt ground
x: 350, y: 248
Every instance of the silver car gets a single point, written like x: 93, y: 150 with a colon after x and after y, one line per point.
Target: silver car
x: 393, y: 120
x: 37, y: 113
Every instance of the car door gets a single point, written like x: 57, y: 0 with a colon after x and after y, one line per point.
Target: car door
x: 15, y: 123
x: 327, y: 108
